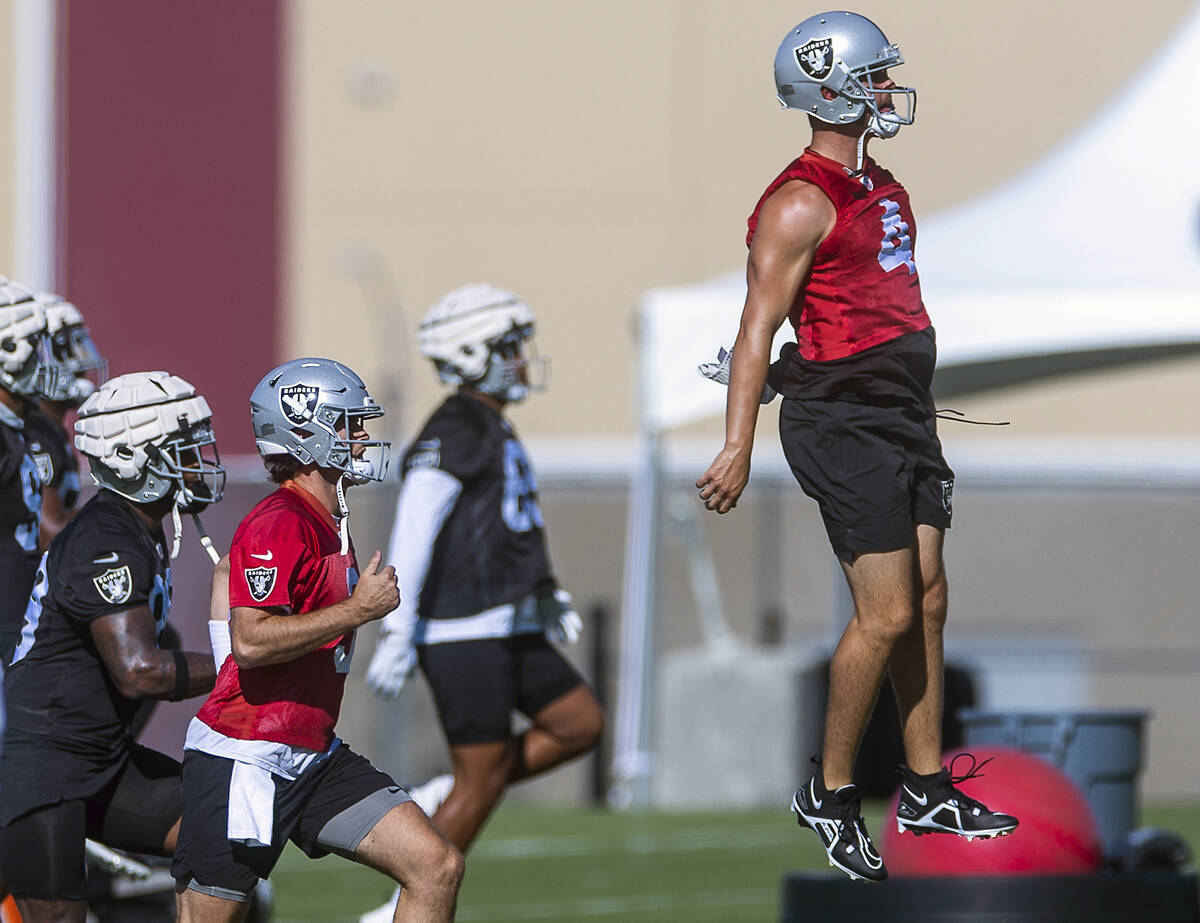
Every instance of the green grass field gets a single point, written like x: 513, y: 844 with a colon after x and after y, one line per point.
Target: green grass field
x: 566, y: 865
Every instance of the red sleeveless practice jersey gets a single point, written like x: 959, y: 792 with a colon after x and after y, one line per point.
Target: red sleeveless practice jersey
x: 862, y: 288
x: 285, y: 554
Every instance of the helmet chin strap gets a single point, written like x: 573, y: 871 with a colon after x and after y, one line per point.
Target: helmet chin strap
x: 876, y: 128
x: 205, y: 540
x: 343, y: 516
x: 177, y: 527
x: 861, y: 152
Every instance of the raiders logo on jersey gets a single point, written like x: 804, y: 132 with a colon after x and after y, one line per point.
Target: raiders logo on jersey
x: 45, y: 466
x: 261, y: 581
x: 114, y: 585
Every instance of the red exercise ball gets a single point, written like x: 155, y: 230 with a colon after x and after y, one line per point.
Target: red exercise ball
x: 1057, y: 834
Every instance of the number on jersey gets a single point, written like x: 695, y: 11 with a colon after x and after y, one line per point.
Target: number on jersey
x: 896, y: 248
x: 519, y: 507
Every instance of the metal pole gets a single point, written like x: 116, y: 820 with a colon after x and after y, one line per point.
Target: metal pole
x: 34, y: 52
x: 632, y: 766
x: 599, y: 620
x: 632, y: 763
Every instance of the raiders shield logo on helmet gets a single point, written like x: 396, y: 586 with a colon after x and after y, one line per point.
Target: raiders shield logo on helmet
x: 115, y: 585
x: 261, y: 581
x: 816, y: 58
x: 299, y: 402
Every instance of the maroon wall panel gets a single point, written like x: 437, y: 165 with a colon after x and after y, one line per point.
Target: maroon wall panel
x: 169, y: 210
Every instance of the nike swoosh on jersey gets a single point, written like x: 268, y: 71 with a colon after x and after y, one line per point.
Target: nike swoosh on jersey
x: 263, y: 557
x: 110, y: 558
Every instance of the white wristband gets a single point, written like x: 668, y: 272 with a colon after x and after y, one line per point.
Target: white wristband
x: 222, y: 644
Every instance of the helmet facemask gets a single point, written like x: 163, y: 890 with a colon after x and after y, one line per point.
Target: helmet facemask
x: 33, y: 375
x: 514, y: 368
x: 199, y: 479
x: 81, y: 368
x: 360, y: 460
x: 190, y: 459
x: 860, y: 85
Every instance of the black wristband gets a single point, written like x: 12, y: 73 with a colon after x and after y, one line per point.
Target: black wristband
x: 181, y: 676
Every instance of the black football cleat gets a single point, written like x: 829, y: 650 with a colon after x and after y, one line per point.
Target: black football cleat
x: 932, y: 804
x: 836, y: 817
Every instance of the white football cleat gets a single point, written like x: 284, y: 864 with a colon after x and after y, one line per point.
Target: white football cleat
x: 382, y: 914
x: 430, y: 795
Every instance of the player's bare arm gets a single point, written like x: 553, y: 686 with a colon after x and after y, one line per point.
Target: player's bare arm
x: 126, y: 643
x: 218, y: 603
x: 265, y: 636
x: 792, y: 225
x: 54, y: 518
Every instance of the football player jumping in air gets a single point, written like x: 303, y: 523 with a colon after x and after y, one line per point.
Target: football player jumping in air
x: 88, y: 654
x: 26, y: 371
x: 80, y: 369
x: 831, y: 249
x: 262, y: 763
x: 468, y: 544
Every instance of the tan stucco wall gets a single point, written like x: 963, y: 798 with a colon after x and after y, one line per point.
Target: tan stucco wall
x: 583, y: 152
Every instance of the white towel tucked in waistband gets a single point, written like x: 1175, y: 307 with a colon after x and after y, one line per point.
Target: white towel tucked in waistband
x: 251, y: 805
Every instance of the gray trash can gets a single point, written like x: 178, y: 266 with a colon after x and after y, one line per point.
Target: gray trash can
x: 1100, y: 751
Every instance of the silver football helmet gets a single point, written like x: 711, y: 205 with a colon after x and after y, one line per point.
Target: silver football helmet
x: 312, y: 409
x: 81, y: 368
x: 148, y: 435
x: 482, y: 337
x: 843, y: 53
x: 27, y: 367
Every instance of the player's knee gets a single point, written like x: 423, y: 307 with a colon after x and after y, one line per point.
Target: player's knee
x: 886, y: 623
x: 589, y: 729
x: 452, y: 867
x: 441, y: 871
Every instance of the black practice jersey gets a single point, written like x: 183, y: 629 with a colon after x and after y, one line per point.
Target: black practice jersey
x: 68, y: 724
x: 491, y: 549
x: 51, y: 449
x: 20, y: 515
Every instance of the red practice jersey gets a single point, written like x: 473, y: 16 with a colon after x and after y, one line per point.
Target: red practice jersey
x: 286, y: 554
x: 863, y: 288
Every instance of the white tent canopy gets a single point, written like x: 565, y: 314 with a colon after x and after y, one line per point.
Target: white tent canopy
x: 1095, y: 248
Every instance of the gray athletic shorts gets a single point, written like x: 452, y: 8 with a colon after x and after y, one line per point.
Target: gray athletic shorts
x: 330, y: 808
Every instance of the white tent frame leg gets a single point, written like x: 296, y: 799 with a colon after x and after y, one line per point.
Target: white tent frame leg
x: 632, y: 767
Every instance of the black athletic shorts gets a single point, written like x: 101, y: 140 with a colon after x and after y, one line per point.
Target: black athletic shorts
x: 876, y: 472
x: 478, y: 684
x: 330, y: 808
x: 41, y: 852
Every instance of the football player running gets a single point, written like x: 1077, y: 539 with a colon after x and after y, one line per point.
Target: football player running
x: 469, y: 549
x: 26, y: 372
x: 80, y: 368
x: 88, y: 654
x: 831, y: 249
x: 262, y: 763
